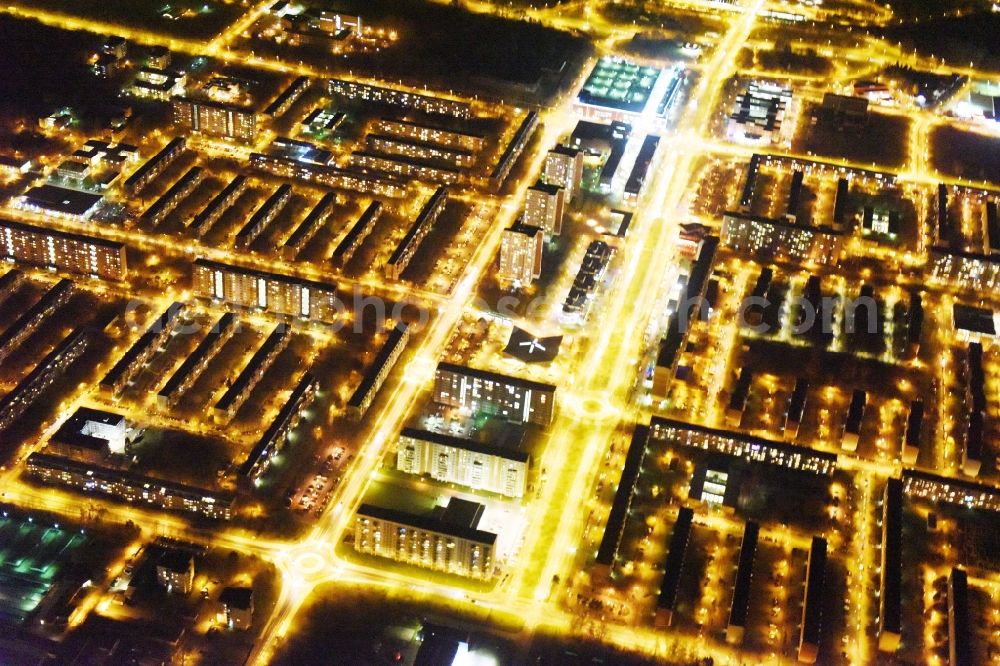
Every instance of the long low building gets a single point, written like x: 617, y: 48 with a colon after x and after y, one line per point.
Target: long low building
x: 934, y: 488
x: 270, y: 292
x: 736, y: 629
x: 153, y: 167
x: 513, y: 150
x: 356, y: 235
x: 750, y: 448
x: 173, y: 197
x: 511, y: 398
x: 449, y: 541
x: 308, y: 227
x: 403, y: 98
x: 283, y: 102
x: 10, y: 281
x: 138, y: 355
x: 442, y: 136
x: 959, y: 625
x: 811, y: 626
x: 420, y: 150
x: 253, y: 372
x: 380, y: 368
x: 415, y: 235
x: 379, y: 184
x: 29, y: 321
x: 58, y: 250
x: 196, y: 363
x: 494, y: 468
x: 405, y: 166
x: 969, y: 271
x: 890, y: 616
x: 614, y: 530
x: 781, y: 240
x: 218, y: 206
x: 131, y: 488
x: 666, y: 601
x: 263, y: 216
x: 48, y: 370
x: 276, y: 436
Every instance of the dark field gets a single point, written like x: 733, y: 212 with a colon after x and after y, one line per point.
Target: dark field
x: 184, y: 19
x: 965, y: 154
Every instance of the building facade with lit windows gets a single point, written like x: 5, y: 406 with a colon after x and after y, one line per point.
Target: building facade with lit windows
x: 511, y: 398
x: 403, y: 98
x: 213, y: 119
x: 441, y: 136
x: 934, y: 488
x: 521, y: 254
x: 57, y: 250
x: 966, y: 270
x: 447, y: 540
x: 130, y: 488
x: 564, y: 168
x: 779, y: 240
x: 491, y: 467
x: 544, y: 207
x: 750, y: 448
x: 270, y: 292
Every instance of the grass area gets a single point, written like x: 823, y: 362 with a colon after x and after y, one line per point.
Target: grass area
x: 881, y: 142
x: 45, y: 68
x: 445, y: 46
x: 376, y: 626
x: 957, y: 39
x: 784, y: 59
x: 965, y: 154
x: 186, y: 19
